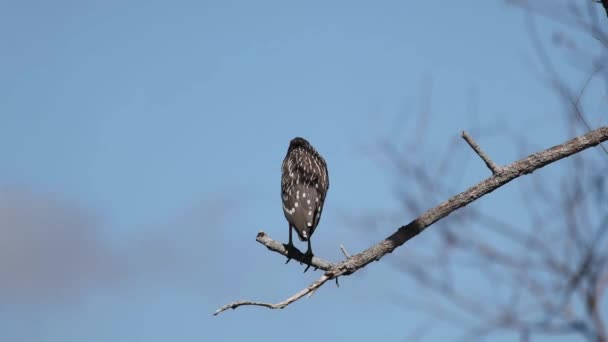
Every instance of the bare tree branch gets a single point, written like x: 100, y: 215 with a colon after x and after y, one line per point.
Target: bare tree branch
x: 292, y: 253
x: 307, y: 291
x: 376, y: 252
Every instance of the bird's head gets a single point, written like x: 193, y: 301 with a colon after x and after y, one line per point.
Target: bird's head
x: 299, y: 142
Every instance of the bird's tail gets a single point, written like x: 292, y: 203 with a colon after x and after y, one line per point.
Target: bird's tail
x: 303, y: 235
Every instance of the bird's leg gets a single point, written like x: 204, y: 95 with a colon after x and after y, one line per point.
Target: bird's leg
x: 309, y: 250
x: 308, y: 256
x: 289, y: 246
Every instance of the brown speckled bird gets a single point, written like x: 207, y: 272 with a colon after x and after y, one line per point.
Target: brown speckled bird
x: 304, y: 185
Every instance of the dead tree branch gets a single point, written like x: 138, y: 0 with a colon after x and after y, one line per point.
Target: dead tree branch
x: 307, y: 291
x: 503, y: 176
x: 292, y: 253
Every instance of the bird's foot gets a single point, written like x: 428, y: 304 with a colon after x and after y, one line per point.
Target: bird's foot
x: 308, y: 260
x: 290, y: 251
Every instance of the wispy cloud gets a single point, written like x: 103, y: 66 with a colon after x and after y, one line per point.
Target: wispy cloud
x: 52, y: 249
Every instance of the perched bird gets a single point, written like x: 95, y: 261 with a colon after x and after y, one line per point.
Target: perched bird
x: 304, y: 184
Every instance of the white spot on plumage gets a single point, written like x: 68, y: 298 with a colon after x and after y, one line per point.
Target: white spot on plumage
x: 304, y: 195
x: 309, y: 224
x: 290, y: 212
x: 304, y: 233
x: 307, y: 201
x: 310, y: 213
x: 296, y: 205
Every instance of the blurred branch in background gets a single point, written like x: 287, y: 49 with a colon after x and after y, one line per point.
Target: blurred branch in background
x: 544, y: 270
x: 604, y: 3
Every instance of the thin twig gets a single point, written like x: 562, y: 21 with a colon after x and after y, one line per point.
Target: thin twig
x: 310, y: 289
x: 489, y: 163
x: 344, y: 251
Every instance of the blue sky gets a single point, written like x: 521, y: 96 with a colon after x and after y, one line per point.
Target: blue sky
x: 142, y: 144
